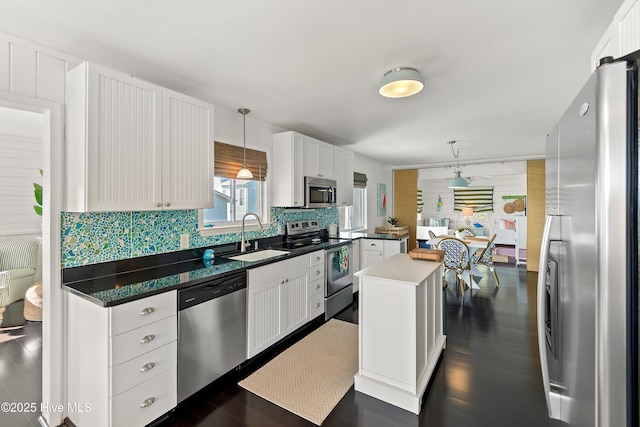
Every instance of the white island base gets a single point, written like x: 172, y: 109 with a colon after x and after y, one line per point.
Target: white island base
x: 400, y: 329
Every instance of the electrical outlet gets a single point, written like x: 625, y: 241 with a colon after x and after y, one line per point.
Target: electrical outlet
x: 184, y: 241
x: 184, y: 277
x: 280, y: 232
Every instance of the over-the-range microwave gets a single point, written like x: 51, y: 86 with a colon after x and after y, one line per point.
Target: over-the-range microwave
x: 319, y: 192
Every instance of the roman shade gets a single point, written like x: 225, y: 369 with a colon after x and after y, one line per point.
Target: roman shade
x: 359, y: 180
x: 479, y: 199
x: 228, y: 161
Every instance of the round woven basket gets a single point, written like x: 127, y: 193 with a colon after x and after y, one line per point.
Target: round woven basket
x: 33, y: 303
x: 509, y: 208
x: 519, y: 204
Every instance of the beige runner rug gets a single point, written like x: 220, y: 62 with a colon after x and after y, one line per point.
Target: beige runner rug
x: 311, y: 376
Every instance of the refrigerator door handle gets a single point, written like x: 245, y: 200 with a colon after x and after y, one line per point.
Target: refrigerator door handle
x: 552, y: 401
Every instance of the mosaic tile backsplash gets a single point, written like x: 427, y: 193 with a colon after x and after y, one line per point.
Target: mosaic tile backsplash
x: 90, y: 238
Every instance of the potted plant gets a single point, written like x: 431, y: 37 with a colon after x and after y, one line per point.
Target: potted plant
x: 393, y: 221
x: 37, y: 193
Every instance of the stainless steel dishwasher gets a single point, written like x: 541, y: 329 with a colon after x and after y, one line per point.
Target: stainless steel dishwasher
x: 212, y: 331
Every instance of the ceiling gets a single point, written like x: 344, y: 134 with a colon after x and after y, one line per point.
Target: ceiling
x: 497, y: 73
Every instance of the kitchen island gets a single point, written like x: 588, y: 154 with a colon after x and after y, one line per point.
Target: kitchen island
x: 400, y: 329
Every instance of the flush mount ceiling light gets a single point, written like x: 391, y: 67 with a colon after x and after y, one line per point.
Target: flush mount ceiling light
x: 401, y: 82
x: 457, y: 181
x: 244, y: 173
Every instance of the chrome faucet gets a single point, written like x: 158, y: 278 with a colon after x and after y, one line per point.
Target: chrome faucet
x: 242, y: 243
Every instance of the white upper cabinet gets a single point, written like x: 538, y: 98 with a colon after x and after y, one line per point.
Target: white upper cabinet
x: 296, y: 156
x: 287, y: 184
x: 623, y: 35
x: 187, y: 152
x: 318, y: 158
x: 132, y: 145
x: 343, y: 174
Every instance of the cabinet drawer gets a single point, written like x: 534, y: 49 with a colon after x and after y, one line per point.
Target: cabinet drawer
x: 136, y: 371
x: 372, y: 245
x: 131, y: 344
x: 316, y: 305
x: 146, y: 402
x: 142, y: 312
x: 317, y: 286
x: 316, y: 258
x: 316, y: 273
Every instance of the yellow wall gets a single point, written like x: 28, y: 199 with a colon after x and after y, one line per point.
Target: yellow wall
x: 535, y: 211
x: 405, y: 205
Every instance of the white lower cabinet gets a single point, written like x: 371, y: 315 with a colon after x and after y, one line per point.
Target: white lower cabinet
x: 372, y: 251
x: 123, y: 361
x: 277, y: 302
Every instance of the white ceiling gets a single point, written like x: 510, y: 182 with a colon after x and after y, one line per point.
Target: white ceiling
x: 498, y: 73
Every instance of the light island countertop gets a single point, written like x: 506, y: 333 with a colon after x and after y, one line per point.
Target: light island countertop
x: 401, y: 268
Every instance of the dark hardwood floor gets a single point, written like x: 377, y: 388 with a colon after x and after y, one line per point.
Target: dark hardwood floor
x: 21, y: 368
x: 489, y: 374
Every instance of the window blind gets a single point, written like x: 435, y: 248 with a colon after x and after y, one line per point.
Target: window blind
x: 359, y: 180
x: 228, y: 161
x: 479, y: 199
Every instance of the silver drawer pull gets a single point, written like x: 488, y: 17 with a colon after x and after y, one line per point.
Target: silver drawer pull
x: 147, y: 367
x: 147, y: 338
x: 168, y: 204
x: 317, y: 258
x: 318, y: 272
x: 158, y: 205
x: 147, y: 402
x: 146, y: 311
x: 317, y: 305
x: 317, y: 286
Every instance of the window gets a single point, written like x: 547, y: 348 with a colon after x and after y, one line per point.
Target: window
x: 355, y: 217
x: 233, y: 198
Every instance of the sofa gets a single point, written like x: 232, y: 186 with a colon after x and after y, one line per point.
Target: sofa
x: 18, y: 265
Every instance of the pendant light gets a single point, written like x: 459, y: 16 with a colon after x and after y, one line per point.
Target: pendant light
x: 244, y: 173
x: 400, y: 82
x: 457, y: 181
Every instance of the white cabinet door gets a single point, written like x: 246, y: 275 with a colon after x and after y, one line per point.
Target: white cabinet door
x: 318, y: 158
x: 113, y: 155
x: 392, y: 247
x: 295, y: 292
x: 277, y: 302
x: 343, y: 174
x: 134, y: 146
x: 187, y: 152
x: 264, y: 315
x: 288, y: 170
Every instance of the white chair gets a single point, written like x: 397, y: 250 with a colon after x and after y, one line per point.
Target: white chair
x: 18, y: 264
x: 485, y: 257
x: 456, y: 261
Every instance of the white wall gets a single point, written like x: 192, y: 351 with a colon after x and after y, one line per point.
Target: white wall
x: 20, y: 161
x: 376, y: 173
x: 507, y: 179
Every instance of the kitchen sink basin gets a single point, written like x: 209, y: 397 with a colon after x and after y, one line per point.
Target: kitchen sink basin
x: 259, y: 255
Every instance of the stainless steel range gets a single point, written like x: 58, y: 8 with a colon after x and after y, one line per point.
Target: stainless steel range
x: 338, y: 286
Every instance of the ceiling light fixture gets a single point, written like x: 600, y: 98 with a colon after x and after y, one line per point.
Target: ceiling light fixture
x: 457, y: 181
x: 401, y: 82
x: 244, y: 173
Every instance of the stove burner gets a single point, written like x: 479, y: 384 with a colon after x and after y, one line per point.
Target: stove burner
x: 304, y: 233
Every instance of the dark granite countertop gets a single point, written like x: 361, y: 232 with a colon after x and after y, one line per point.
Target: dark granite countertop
x: 353, y: 235
x: 113, y: 284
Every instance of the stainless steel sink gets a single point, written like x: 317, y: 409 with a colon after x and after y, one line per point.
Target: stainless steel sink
x: 259, y: 255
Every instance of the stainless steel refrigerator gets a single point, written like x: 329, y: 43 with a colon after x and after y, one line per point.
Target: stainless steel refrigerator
x: 588, y: 276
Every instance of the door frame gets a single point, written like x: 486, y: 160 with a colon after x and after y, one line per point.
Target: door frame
x: 54, y: 330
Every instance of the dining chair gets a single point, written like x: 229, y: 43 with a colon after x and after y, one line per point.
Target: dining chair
x: 432, y: 235
x: 484, y: 256
x: 456, y: 261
